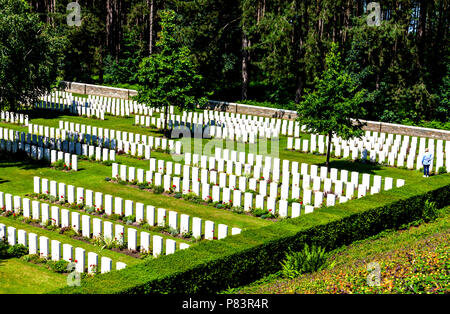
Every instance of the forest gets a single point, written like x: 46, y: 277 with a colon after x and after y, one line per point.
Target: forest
x: 269, y: 52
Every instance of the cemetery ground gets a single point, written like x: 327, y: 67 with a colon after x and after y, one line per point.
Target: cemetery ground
x: 16, y: 178
x: 414, y: 259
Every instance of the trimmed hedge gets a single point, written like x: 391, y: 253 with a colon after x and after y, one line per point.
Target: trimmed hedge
x: 234, y: 261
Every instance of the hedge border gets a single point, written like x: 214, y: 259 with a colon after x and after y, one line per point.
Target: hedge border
x: 213, y: 266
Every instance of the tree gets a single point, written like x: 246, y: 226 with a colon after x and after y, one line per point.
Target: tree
x: 30, y: 55
x: 169, y: 77
x: 335, y: 105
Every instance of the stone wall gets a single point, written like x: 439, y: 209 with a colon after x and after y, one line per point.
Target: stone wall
x: 89, y: 89
x: 106, y: 91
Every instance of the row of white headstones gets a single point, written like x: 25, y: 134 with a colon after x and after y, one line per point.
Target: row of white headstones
x: 40, y: 153
x: 90, y: 228
x: 14, y: 144
x: 182, y: 223
x: 375, y: 147
x: 135, y: 144
x: 12, y: 117
x: 73, y: 108
x: 100, y: 105
x: 40, y: 245
x: 203, y: 187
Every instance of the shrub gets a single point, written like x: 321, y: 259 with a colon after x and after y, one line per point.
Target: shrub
x: 238, y: 210
x: 114, y: 216
x: 8, y: 251
x: 59, y: 266
x: 178, y: 195
x: 430, y: 211
x: 173, y: 232
x: 442, y: 170
x: 89, y: 209
x: 3, y: 249
x: 158, y: 189
x: 306, y: 261
x: 130, y: 219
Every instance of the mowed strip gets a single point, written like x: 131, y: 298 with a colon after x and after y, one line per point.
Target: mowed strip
x: 21, y: 277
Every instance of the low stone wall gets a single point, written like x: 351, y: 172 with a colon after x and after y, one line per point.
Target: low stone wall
x: 106, y: 91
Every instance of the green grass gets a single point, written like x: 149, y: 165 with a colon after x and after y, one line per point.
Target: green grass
x: 16, y: 177
x: 21, y: 277
x: 414, y: 259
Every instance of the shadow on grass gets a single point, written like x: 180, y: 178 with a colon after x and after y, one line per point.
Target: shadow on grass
x: 349, y: 165
x: 3, y: 181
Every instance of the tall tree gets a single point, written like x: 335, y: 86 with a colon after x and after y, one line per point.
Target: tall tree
x: 332, y: 107
x: 30, y: 55
x: 169, y: 77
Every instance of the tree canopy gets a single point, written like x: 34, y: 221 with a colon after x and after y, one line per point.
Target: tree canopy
x: 169, y: 77
x: 272, y: 51
x: 30, y: 55
x: 331, y: 107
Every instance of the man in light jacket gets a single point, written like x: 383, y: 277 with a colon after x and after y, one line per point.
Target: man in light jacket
x: 426, y: 162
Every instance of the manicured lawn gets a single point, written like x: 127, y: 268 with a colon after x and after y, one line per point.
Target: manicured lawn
x: 21, y: 277
x: 16, y: 177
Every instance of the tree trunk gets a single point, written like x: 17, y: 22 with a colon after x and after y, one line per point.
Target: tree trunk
x: 245, y: 45
x: 166, y: 115
x: 151, y: 6
x: 328, y: 152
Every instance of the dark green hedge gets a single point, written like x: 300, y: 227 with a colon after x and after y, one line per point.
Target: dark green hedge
x: 216, y: 265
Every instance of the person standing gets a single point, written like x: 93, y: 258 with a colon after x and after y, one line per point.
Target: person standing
x: 426, y: 162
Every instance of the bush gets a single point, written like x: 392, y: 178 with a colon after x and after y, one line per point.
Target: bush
x: 306, y: 261
x: 8, y: 251
x: 430, y: 211
x: 178, y: 195
x: 3, y: 249
x: 130, y: 219
x: 158, y: 189
x: 59, y: 266
x: 442, y: 170
x: 114, y: 216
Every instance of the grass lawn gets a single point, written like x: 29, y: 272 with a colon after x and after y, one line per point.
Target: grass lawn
x: 413, y: 260
x: 18, y: 276
x: 16, y: 177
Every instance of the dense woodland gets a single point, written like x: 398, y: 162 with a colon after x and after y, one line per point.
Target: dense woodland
x: 272, y: 50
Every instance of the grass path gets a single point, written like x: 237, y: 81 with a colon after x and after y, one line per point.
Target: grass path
x: 21, y: 277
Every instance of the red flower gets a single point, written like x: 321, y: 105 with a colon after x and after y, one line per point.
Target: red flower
x: 76, y: 261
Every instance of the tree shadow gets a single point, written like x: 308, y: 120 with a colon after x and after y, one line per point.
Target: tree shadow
x: 344, y: 164
x: 3, y: 181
